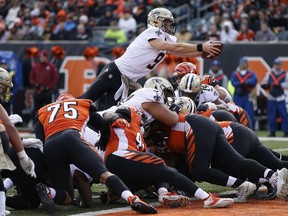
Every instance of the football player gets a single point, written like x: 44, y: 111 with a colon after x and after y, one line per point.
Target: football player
x: 202, y: 147
x: 9, y: 133
x: 143, y: 55
x: 60, y: 125
x: 126, y: 155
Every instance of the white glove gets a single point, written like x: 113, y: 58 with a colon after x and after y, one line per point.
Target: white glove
x: 26, y: 163
x: 211, y: 106
x: 32, y: 143
x: 15, y: 118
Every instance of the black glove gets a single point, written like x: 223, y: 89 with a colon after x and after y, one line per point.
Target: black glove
x: 159, y: 137
x: 265, y: 86
x: 202, y: 108
x: 175, y: 108
x: 100, y: 145
x: 214, y: 82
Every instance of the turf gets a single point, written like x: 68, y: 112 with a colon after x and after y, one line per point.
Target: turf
x: 97, y: 189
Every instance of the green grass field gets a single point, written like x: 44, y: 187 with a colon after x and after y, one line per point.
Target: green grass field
x: 97, y: 205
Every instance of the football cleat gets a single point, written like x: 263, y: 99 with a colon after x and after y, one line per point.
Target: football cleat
x: 244, y: 190
x: 279, y: 180
x: 173, y: 199
x: 214, y: 202
x: 46, y: 200
x: 139, y: 206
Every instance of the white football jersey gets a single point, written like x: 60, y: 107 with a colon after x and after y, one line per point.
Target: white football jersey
x: 207, y: 94
x: 140, y: 58
x: 144, y: 95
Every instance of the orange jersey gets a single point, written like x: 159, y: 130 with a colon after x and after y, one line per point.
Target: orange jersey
x: 69, y: 114
x: 129, y: 138
x: 233, y: 108
x: 177, y: 133
x: 225, y: 125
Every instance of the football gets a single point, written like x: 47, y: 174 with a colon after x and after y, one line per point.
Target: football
x: 206, y: 55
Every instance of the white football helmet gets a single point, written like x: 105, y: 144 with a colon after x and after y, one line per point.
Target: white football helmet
x: 162, y: 85
x: 187, y: 105
x: 162, y: 18
x: 190, y: 83
x: 5, y: 85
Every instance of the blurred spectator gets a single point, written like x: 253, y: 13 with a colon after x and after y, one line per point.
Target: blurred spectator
x: 276, y: 81
x: 43, y: 78
x: 81, y: 33
x: 12, y: 12
x: 47, y: 33
x: 245, y: 34
x: 228, y: 33
x: 229, y: 7
x: 70, y: 6
x: 217, y: 72
x: 83, y: 20
x: 30, y: 32
x: 183, y: 34
x: 65, y: 21
x: 3, y: 9
x: 3, y: 33
x: 106, y: 19
x: 15, y: 30
x: 62, y: 33
x: 265, y: 33
x: 244, y: 81
x: 255, y: 19
x: 140, y: 14
x: 277, y: 22
x: 213, y: 33
x: 200, y: 33
x: 216, y: 19
x: 128, y: 24
x: 114, y: 35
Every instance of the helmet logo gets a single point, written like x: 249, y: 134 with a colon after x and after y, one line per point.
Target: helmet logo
x: 157, y: 97
x: 158, y: 32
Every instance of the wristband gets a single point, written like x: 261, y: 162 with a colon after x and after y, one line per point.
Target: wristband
x: 199, y: 47
x: 22, y: 154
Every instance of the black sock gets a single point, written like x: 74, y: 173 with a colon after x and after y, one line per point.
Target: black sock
x: 237, y: 183
x: 116, y: 185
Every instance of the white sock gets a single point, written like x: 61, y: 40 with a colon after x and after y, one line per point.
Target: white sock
x: 266, y: 172
x: 2, y: 202
x: 262, y: 180
x: 231, y: 181
x: 201, y: 194
x: 52, y: 192
x: 125, y: 194
x: 162, y: 190
x: 8, y: 183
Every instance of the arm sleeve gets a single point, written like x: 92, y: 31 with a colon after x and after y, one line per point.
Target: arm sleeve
x: 96, y: 122
x: 39, y: 131
x: 4, y: 140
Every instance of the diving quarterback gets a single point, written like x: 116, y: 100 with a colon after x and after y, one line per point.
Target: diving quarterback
x: 143, y: 55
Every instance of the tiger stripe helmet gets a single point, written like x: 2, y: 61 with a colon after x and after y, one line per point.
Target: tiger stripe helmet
x: 184, y: 68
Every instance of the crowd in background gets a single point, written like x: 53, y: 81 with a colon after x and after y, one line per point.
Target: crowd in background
x: 225, y: 20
